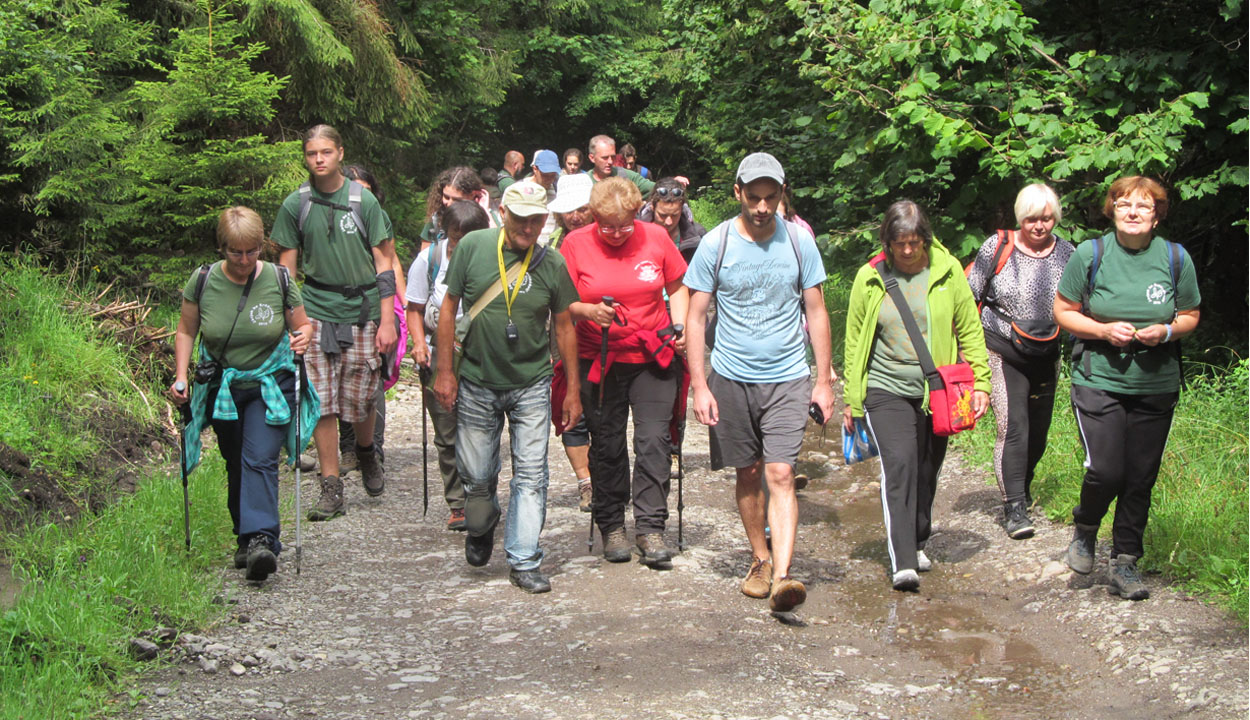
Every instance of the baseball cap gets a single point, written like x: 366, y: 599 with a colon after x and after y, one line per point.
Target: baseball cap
x: 572, y: 192
x: 546, y: 161
x: 524, y: 198
x: 760, y: 165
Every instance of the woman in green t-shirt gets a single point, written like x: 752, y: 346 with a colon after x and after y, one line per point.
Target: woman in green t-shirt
x: 241, y: 308
x: 1125, y: 297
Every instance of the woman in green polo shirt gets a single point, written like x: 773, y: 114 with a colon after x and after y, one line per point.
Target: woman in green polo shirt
x: 244, y: 382
x: 1126, y: 297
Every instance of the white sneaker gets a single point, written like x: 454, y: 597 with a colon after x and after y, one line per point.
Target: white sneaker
x: 923, y: 563
x: 906, y: 580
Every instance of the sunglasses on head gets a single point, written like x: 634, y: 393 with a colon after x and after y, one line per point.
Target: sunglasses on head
x: 665, y: 192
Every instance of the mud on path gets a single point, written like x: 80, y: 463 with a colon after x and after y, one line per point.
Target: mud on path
x: 388, y: 621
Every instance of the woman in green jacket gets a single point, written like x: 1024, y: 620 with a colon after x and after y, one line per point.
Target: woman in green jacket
x: 885, y: 385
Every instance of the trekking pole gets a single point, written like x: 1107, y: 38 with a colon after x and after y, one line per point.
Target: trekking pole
x: 681, y: 469
x: 299, y: 448
x: 423, y: 374
x: 184, y: 410
x: 603, y: 376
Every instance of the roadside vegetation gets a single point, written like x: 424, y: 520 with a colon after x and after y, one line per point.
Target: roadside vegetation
x: 95, y: 564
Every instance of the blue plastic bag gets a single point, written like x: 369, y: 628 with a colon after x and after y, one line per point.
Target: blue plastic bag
x: 858, y: 445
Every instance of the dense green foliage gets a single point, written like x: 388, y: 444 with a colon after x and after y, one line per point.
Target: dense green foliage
x: 1198, y: 531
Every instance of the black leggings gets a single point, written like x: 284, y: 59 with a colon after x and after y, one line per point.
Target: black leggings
x: 1023, y: 398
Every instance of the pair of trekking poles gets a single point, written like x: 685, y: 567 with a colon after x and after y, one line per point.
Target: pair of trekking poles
x: 185, y: 411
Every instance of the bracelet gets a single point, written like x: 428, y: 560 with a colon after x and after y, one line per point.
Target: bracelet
x: 1169, y: 337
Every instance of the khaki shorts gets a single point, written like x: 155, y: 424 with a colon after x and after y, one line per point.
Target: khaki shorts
x: 347, y: 382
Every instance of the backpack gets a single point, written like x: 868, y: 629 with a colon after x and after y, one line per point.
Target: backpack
x: 791, y: 232
x: 1002, y: 251
x: 284, y: 282
x: 1176, y: 261
x: 354, y: 194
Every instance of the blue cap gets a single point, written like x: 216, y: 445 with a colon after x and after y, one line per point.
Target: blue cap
x: 547, y: 161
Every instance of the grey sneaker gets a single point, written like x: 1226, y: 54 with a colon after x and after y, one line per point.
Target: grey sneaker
x: 371, y: 474
x: 330, y: 505
x: 616, y: 546
x: 1125, y: 580
x: 1019, y: 525
x: 652, y: 552
x: 906, y: 580
x: 923, y: 563
x: 1081, y: 549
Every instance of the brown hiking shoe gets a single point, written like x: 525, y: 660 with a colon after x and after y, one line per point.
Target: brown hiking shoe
x: 330, y: 505
x: 455, y: 519
x: 759, y: 579
x: 585, y: 495
x: 371, y: 474
x: 616, y: 546
x: 787, y: 594
x: 652, y: 553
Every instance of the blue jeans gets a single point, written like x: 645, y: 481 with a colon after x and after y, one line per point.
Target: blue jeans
x: 250, y: 448
x: 480, y: 413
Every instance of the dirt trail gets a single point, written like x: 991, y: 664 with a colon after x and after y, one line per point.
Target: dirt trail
x: 388, y: 621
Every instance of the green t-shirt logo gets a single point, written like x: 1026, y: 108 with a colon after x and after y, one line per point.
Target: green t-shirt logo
x: 1156, y: 294
x: 262, y: 315
x: 347, y: 224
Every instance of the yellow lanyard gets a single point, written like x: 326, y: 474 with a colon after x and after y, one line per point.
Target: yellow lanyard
x: 503, y: 274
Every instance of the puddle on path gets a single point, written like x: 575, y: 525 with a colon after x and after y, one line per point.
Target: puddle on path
x: 945, y: 621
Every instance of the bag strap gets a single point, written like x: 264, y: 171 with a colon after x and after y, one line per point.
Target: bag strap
x: 431, y: 269
x: 493, y: 291
x: 1002, y: 251
x: 355, y: 196
x: 913, y: 330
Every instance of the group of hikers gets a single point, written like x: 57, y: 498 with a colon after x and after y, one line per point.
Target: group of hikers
x: 586, y: 296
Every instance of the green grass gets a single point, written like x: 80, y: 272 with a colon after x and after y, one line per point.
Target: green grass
x: 54, y: 371
x: 90, y: 587
x: 1197, y: 533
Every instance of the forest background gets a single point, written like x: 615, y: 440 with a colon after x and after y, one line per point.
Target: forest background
x: 125, y: 127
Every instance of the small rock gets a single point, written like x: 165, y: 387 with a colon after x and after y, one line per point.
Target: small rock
x: 236, y: 669
x: 143, y: 650
x: 249, y: 661
x: 207, y: 664
x: 161, y: 692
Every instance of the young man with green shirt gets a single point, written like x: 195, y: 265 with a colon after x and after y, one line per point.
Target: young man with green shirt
x: 349, y: 285
x: 505, y: 371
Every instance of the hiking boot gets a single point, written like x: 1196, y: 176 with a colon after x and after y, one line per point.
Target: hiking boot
x: 347, y: 462
x: 455, y: 519
x: 307, y: 462
x: 584, y: 495
x: 674, y: 467
x: 261, y: 560
x: 787, y: 594
x: 531, y: 581
x: 371, y: 474
x: 616, y: 546
x: 759, y: 580
x: 330, y: 505
x: 800, y: 482
x: 1019, y: 526
x: 1081, y: 549
x: 651, y: 551
x: 1125, y: 580
x: 240, y: 557
x: 923, y: 563
x: 906, y: 580
x: 477, y: 548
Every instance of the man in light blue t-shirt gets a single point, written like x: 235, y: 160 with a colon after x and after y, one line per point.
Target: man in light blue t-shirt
x: 755, y: 400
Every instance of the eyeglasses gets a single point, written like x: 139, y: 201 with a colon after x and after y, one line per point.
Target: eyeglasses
x: 239, y: 254
x: 623, y: 231
x: 675, y: 193
x: 1124, y: 206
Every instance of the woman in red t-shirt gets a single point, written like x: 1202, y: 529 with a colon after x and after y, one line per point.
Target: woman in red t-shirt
x: 635, y: 264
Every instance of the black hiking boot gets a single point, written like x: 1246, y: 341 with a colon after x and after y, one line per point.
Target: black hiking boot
x: 652, y: 552
x: 531, y: 581
x: 1019, y: 525
x: 1124, y: 579
x: 1081, y: 549
x: 261, y: 559
x: 240, y: 557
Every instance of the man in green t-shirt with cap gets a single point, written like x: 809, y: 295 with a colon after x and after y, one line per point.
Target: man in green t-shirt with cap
x: 510, y: 283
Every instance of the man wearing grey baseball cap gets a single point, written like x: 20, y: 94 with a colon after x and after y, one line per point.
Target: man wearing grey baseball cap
x: 510, y: 284
x: 766, y: 276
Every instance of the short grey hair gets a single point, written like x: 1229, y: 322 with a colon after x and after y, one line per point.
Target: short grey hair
x: 1036, y: 200
x: 596, y: 140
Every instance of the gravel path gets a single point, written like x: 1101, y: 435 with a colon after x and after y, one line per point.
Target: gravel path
x: 388, y: 621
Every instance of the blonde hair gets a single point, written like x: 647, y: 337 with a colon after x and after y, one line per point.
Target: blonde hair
x: 1035, y: 200
x: 241, y: 226
x: 615, y: 198
x: 323, y: 131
